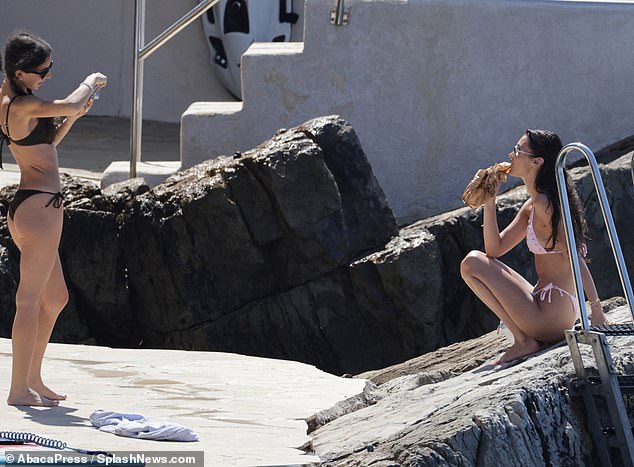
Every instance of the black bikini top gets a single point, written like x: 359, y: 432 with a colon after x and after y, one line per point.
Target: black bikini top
x: 43, y: 133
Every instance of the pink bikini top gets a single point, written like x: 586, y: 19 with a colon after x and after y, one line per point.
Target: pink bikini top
x: 531, y: 239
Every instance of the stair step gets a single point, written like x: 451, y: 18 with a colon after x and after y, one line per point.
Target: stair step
x: 153, y: 172
x: 625, y: 329
x: 626, y: 384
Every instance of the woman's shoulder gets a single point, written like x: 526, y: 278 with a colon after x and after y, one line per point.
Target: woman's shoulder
x: 542, y: 207
x: 22, y: 100
x: 527, y: 207
x: 542, y: 203
x: 18, y: 103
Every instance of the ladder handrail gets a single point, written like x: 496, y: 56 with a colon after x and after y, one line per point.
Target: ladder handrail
x: 141, y: 52
x: 607, y: 219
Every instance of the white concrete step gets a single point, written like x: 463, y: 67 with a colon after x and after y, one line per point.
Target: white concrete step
x: 211, y: 129
x: 153, y: 172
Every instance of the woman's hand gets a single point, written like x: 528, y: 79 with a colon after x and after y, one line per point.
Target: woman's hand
x: 83, y: 111
x: 96, y: 80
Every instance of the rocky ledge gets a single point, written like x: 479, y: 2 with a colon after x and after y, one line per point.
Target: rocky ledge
x: 452, y: 408
x: 289, y: 250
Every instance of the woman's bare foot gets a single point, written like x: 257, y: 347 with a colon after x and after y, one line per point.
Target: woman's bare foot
x: 48, y: 393
x: 31, y: 398
x: 518, y: 350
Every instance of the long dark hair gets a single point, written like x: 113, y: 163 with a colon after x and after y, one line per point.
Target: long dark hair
x: 546, y: 144
x: 23, y: 51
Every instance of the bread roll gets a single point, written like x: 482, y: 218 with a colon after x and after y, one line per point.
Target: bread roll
x: 484, y: 184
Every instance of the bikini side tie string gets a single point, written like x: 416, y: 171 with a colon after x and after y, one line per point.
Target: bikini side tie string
x: 549, y: 290
x: 57, y: 199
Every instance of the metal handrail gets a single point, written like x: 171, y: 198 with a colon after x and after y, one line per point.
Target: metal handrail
x: 141, y: 52
x: 607, y: 219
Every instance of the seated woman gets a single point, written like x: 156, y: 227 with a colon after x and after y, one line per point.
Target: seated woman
x: 534, y: 314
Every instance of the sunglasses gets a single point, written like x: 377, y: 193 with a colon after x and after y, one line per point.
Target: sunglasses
x: 517, y: 152
x: 43, y: 72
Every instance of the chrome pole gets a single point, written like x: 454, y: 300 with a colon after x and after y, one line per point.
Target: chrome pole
x: 607, y: 219
x: 340, y: 9
x: 177, y: 27
x: 141, y: 52
x: 137, y: 100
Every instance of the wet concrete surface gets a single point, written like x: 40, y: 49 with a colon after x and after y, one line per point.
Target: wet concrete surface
x: 246, y: 411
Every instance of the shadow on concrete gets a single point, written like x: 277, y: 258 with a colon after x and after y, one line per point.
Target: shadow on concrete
x: 53, y: 416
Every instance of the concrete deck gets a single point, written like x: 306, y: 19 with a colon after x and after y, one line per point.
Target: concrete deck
x: 246, y: 410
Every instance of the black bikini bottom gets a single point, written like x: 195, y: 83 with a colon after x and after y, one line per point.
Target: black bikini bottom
x: 21, y: 195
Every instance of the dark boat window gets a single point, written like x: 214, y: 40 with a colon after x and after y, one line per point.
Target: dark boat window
x: 236, y: 17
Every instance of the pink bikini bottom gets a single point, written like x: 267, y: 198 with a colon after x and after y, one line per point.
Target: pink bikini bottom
x: 547, y: 291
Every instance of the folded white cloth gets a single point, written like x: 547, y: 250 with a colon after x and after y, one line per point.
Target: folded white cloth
x: 101, y: 418
x: 139, y: 426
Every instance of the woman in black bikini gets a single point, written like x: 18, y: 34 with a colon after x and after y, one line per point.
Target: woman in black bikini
x: 533, y: 313
x: 35, y: 214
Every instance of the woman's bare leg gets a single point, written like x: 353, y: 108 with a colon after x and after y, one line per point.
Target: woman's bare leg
x: 509, y: 296
x: 36, y: 231
x: 54, y: 299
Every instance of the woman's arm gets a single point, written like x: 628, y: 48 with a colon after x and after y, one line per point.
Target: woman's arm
x: 495, y: 243
x: 69, y: 121
x: 597, y: 317
x: 34, y: 107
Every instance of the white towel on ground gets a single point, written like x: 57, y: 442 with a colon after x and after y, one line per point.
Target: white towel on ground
x: 139, y: 426
x: 101, y: 418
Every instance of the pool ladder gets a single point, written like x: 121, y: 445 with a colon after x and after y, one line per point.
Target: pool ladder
x: 602, y: 390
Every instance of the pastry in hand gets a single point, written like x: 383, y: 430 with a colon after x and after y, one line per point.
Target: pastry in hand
x: 484, y: 184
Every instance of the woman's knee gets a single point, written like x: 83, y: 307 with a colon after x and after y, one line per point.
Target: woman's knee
x: 26, y: 306
x: 471, y: 262
x: 55, y: 301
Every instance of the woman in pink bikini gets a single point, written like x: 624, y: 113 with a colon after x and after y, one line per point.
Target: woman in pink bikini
x: 35, y: 214
x: 534, y: 314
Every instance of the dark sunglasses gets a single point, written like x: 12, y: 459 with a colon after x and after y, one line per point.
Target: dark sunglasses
x: 43, y: 72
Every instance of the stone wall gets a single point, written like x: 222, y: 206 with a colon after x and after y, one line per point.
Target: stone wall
x: 434, y: 88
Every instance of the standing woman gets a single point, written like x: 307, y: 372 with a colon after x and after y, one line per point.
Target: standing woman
x: 35, y: 214
x: 533, y: 314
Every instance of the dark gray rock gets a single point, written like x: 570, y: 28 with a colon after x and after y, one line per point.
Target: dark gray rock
x: 617, y: 180
x: 8, y: 289
x: 318, y: 322
x: 91, y: 255
x: 94, y: 268
x: 359, y: 190
x: 258, y: 245
x: 127, y: 188
x: 288, y: 250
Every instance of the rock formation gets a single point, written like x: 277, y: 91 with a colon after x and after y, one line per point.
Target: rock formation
x: 448, y: 408
x: 245, y: 253
x: 289, y: 250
